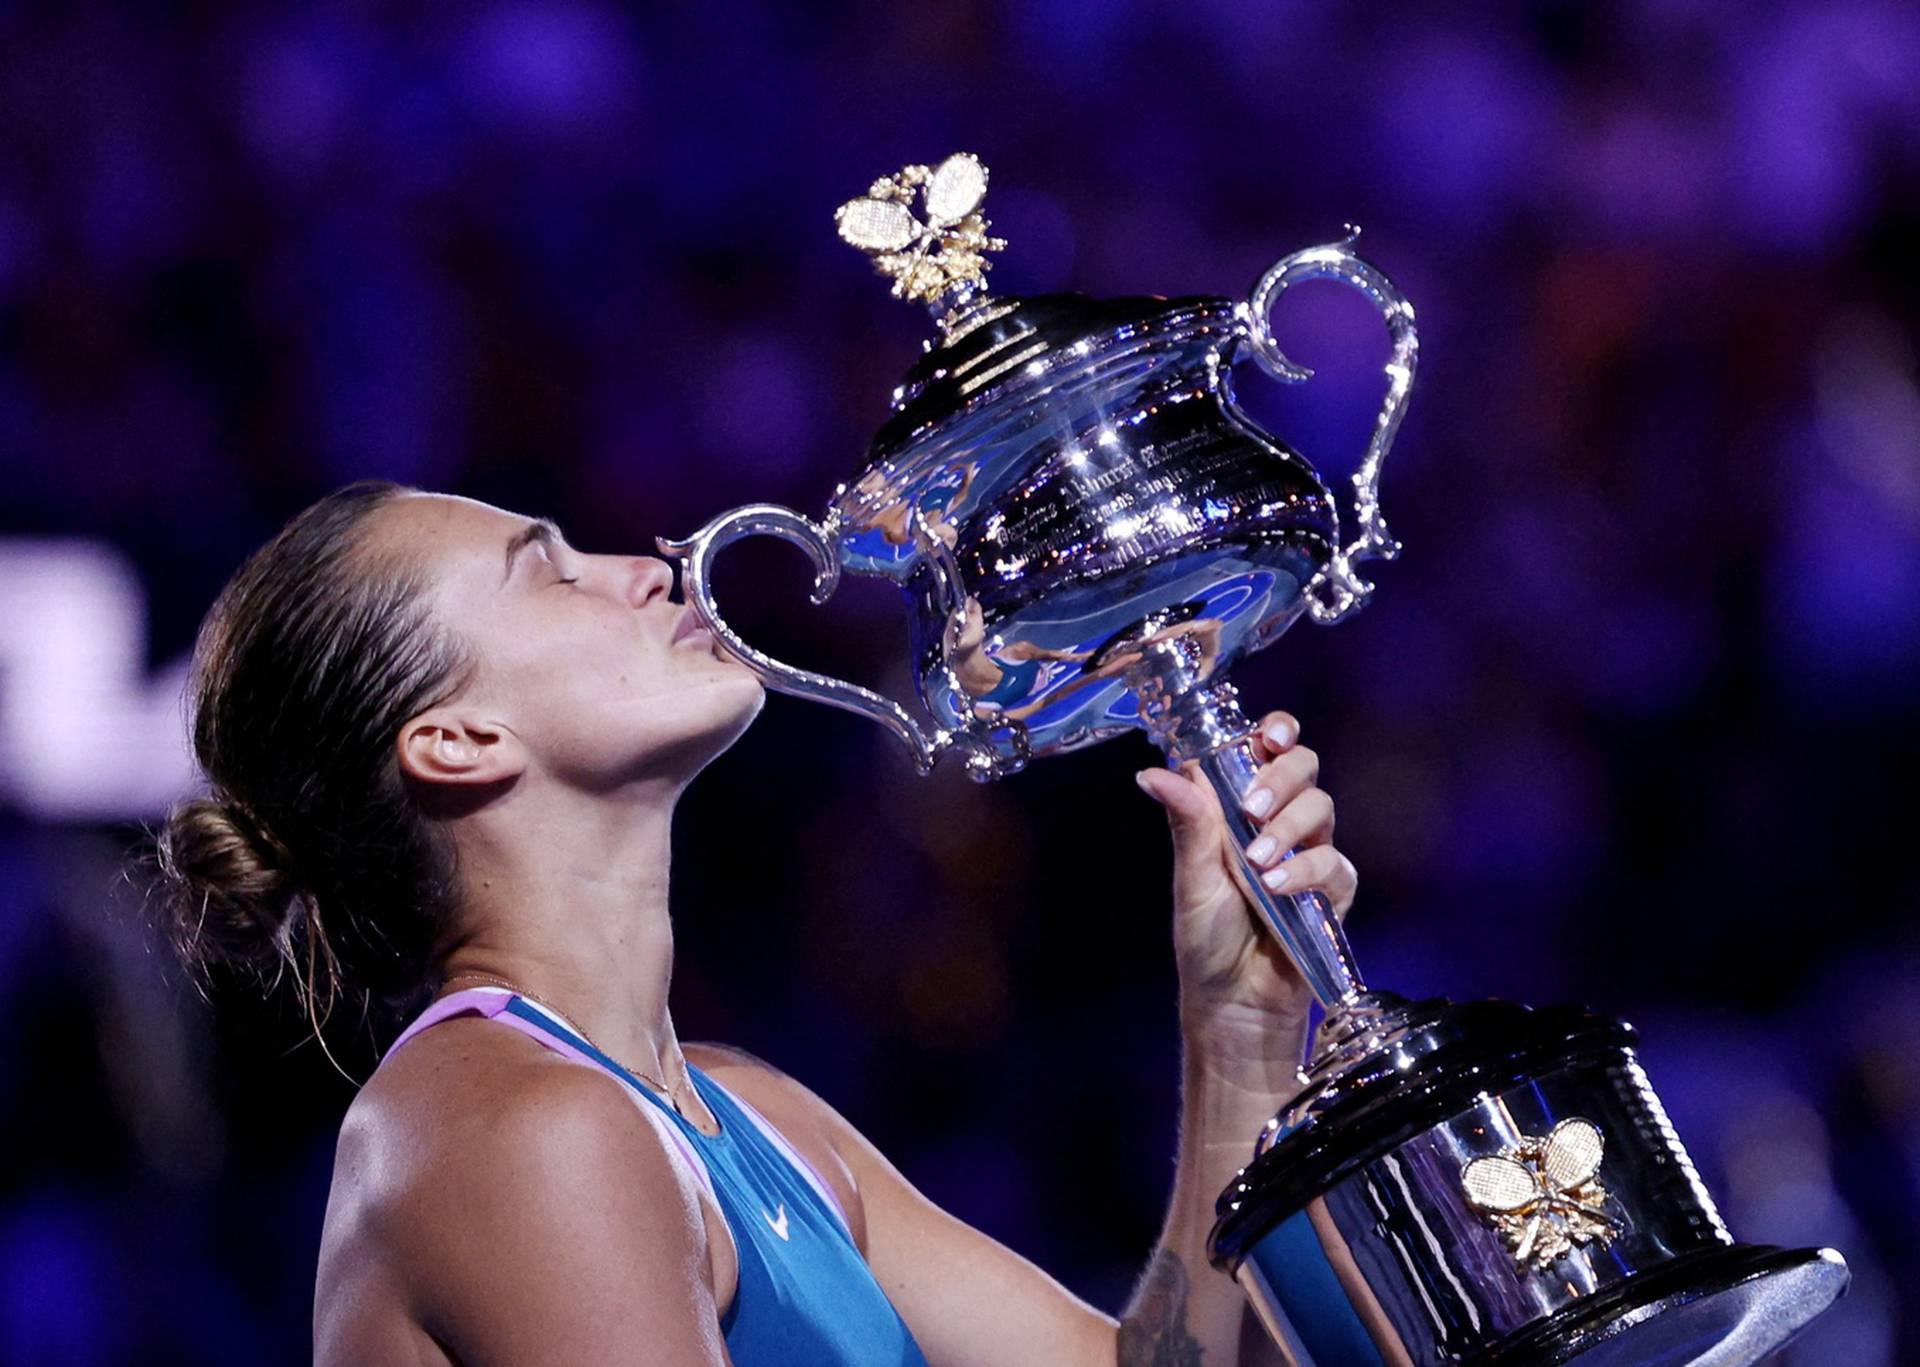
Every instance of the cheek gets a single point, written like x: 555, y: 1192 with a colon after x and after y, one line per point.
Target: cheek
x: 616, y: 671
x: 535, y: 671
x: 591, y: 665
x: 586, y: 640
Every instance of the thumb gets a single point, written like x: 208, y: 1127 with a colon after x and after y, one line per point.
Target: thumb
x: 1188, y: 807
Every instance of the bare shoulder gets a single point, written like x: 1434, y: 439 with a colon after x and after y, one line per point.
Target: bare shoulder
x: 426, y: 1101
x: 775, y: 1094
x: 816, y: 1130
x: 729, y: 1061
x: 468, y: 1104
x: 473, y: 1140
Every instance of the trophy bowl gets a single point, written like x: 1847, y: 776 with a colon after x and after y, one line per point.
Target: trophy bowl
x: 1090, y: 532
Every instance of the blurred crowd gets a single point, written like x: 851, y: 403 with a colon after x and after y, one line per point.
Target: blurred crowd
x: 1629, y: 722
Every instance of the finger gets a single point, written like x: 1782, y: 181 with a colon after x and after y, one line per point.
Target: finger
x: 1276, y: 733
x: 1192, y: 811
x: 1280, y: 781
x: 1320, y: 869
x: 1305, y: 821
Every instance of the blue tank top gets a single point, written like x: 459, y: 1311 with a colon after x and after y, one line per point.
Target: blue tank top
x: 806, y: 1297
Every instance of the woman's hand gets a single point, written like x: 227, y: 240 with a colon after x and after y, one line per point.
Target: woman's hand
x: 1232, y: 971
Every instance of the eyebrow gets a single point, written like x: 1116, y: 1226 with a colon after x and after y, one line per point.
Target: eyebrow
x: 540, y: 529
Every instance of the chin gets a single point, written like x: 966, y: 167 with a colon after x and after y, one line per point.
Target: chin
x: 739, y: 682
x: 715, y: 711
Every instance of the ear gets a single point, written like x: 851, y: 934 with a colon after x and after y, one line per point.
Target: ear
x: 443, y: 746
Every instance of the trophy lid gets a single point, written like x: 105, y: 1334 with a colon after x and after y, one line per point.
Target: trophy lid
x: 993, y: 357
x: 988, y: 348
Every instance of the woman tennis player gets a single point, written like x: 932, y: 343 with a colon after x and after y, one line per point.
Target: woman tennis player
x: 444, y: 750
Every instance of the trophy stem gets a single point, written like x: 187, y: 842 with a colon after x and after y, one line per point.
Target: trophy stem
x: 1192, y: 716
x: 1303, y: 922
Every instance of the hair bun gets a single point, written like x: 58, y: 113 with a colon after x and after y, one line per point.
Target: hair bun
x: 233, y: 894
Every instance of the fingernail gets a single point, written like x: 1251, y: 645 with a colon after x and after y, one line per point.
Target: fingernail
x: 1275, y: 879
x: 1263, y: 849
x: 1280, y: 735
x: 1141, y: 779
x: 1260, y: 801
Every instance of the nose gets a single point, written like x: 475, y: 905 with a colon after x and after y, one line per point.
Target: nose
x: 651, y: 578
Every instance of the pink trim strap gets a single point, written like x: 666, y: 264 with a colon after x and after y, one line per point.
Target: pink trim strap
x: 491, y: 1002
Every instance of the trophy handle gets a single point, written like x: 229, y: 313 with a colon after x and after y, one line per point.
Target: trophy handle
x: 1336, y: 590
x: 695, y: 554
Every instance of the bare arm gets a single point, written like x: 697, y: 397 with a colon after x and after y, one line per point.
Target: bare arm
x: 1183, y: 1312
x: 1243, y: 1014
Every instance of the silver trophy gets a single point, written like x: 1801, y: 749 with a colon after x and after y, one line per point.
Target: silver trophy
x: 1090, y: 532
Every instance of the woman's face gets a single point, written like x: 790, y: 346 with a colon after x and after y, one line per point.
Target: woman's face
x: 585, y: 659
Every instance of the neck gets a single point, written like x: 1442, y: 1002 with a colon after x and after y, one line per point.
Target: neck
x: 565, y: 897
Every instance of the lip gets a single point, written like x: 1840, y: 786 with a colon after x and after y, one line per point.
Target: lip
x: 688, y: 625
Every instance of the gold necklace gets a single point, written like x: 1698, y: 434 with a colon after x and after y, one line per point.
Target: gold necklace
x: 652, y: 1082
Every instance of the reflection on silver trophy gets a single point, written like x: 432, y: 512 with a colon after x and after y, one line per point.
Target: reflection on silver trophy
x: 1091, y: 532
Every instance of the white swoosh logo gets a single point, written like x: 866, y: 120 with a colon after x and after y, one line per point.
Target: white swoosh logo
x: 778, y: 1226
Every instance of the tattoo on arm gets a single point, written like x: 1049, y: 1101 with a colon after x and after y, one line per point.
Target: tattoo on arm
x: 1154, y: 1332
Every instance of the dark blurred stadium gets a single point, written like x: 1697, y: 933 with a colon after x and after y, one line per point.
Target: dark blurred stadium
x: 1629, y: 722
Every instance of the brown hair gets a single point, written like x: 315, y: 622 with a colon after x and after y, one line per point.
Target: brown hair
x: 309, y: 853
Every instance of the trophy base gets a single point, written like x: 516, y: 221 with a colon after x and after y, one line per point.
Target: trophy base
x: 1717, y: 1308
x: 1490, y: 1185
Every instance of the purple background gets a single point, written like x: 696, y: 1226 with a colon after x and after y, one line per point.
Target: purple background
x: 1631, y: 721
